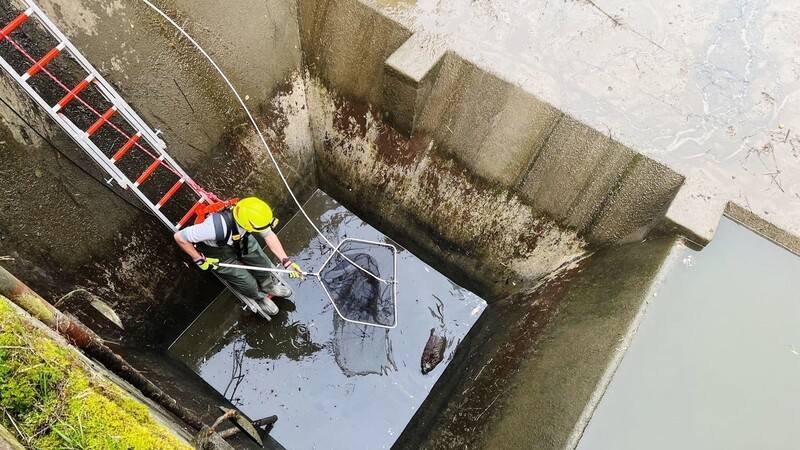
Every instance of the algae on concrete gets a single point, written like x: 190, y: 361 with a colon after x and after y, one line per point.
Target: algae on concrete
x: 51, y: 400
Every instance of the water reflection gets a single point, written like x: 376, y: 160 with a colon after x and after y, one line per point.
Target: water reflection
x: 361, y: 349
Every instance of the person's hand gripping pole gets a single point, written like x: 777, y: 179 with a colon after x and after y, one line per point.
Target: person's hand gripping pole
x: 205, y: 263
x: 288, y: 264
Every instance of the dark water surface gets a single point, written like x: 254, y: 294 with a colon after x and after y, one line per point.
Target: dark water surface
x: 333, y: 384
x: 716, y: 361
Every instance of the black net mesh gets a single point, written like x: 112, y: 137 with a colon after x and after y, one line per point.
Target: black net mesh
x: 358, y: 295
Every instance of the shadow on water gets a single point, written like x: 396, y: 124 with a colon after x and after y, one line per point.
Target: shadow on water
x: 355, y: 386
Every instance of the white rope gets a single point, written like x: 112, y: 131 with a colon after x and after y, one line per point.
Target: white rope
x: 261, y: 136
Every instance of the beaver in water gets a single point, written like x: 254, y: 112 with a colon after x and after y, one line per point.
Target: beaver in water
x: 433, y: 353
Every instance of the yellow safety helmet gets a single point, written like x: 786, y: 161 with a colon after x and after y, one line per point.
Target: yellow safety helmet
x: 254, y: 215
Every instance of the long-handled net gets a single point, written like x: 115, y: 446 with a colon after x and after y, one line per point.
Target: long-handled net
x: 359, y: 278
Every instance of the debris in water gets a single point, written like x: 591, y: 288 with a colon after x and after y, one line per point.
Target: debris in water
x: 433, y: 353
x: 794, y: 351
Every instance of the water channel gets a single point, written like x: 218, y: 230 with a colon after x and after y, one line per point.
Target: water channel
x: 716, y: 360
x: 332, y: 384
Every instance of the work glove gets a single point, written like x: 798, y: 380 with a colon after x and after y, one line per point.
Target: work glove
x: 289, y: 265
x: 205, y: 263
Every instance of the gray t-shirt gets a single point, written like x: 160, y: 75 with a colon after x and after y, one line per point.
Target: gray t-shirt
x: 206, y: 233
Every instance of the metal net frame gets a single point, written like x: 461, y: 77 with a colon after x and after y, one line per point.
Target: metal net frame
x: 380, y: 285
x: 388, y: 286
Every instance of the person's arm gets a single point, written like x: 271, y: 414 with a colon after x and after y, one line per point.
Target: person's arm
x: 276, y: 247
x: 196, y: 233
x: 187, y: 246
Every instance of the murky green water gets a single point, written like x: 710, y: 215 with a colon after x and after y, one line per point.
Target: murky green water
x: 332, y: 384
x: 716, y: 361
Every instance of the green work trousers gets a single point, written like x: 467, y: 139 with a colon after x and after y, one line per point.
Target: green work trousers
x: 245, y: 281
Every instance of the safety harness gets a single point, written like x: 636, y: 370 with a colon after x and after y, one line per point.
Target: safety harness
x: 240, y: 241
x: 223, y: 212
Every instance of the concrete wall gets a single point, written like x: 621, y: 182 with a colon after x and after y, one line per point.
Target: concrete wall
x: 564, y: 169
x: 345, y: 43
x: 532, y: 362
x: 65, y: 230
x: 469, y: 171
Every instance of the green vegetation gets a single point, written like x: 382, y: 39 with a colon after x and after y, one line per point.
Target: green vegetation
x: 51, y: 400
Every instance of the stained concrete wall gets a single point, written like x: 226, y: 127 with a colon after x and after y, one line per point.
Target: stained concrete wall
x: 564, y: 169
x: 64, y: 230
x: 468, y: 170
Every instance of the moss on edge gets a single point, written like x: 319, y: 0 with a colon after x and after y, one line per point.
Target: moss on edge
x: 51, y: 400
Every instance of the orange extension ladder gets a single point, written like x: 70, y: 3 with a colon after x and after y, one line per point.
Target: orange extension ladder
x: 143, y: 139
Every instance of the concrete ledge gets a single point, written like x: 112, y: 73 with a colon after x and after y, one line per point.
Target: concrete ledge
x: 761, y: 226
x: 409, y: 74
x: 695, y: 212
x: 8, y: 441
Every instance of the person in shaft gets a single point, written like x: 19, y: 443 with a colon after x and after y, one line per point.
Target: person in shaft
x: 227, y: 236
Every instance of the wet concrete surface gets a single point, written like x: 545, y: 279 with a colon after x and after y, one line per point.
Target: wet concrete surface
x: 715, y: 361
x: 332, y: 384
x: 535, y: 360
x: 706, y: 88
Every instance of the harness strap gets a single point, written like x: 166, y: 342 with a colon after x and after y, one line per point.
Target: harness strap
x: 221, y: 237
x: 240, y: 241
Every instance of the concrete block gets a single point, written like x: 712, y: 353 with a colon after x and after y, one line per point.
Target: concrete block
x: 409, y: 75
x: 8, y: 441
x: 743, y: 215
x: 491, y: 126
x: 695, y: 212
x: 346, y: 44
x: 637, y: 203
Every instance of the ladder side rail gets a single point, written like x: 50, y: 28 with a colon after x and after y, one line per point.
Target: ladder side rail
x: 128, y: 113
x: 158, y: 145
x: 138, y: 124
x: 77, y: 135
x: 103, y: 86
x: 123, y: 108
x: 178, y: 169
x: 110, y: 94
x: 80, y: 137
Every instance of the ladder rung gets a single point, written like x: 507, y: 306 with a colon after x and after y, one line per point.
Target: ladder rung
x: 43, y: 62
x: 170, y: 193
x: 103, y: 119
x: 191, y: 212
x: 128, y: 145
x: 73, y: 93
x: 149, y: 171
x: 14, y: 24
